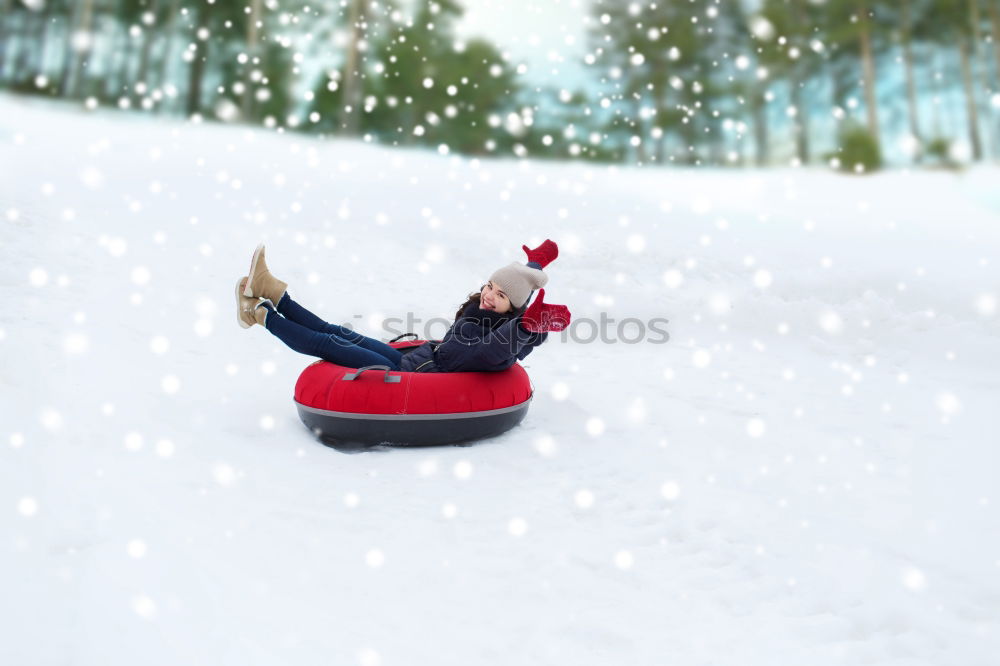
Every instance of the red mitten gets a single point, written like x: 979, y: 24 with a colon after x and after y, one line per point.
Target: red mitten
x: 543, y: 318
x: 544, y: 254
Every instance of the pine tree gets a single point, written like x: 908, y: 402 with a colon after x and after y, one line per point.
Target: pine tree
x: 951, y: 27
x: 618, y: 50
x: 78, y: 44
x: 657, y: 61
x: 357, y: 23
x: 906, y: 37
x: 793, y: 54
x: 856, y: 35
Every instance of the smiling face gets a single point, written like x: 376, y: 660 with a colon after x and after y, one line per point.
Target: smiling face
x: 493, y: 298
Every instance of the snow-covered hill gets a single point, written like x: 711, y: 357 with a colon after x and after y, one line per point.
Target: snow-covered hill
x: 805, y: 473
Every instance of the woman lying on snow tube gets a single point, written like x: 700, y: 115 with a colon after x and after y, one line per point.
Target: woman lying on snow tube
x: 484, y: 393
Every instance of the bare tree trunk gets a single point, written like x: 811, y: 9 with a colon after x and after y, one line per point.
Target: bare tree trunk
x: 5, y: 14
x: 351, y: 98
x: 197, y: 72
x: 661, y: 141
x: 760, y: 129
x: 149, y: 35
x: 253, y: 36
x: 839, y: 87
x: 69, y: 53
x: 120, y: 58
x: 22, y: 56
x: 168, y: 51
x: 641, y: 155
x: 81, y: 58
x: 970, y: 98
x: 44, y: 38
x: 67, y: 66
x: 798, y: 122
x: 801, y: 121
x: 979, y: 67
x: 659, y: 115
x: 868, y: 65
x: 994, y: 6
x: 936, y: 89
x: 911, y: 87
x: 31, y: 59
x: 122, y: 77
x: 118, y: 50
x: 995, y: 23
x: 689, y: 137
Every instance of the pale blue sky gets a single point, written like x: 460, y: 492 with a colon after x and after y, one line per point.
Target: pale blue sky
x: 547, y: 35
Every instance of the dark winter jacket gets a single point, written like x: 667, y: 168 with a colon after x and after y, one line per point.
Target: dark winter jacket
x: 479, y: 341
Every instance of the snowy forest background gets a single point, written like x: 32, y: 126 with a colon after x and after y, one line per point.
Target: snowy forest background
x: 851, y: 83
x: 803, y: 473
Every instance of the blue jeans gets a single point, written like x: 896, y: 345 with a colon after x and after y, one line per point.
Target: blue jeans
x: 306, y: 333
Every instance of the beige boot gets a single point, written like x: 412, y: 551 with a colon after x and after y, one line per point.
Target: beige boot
x: 248, y: 308
x: 260, y: 282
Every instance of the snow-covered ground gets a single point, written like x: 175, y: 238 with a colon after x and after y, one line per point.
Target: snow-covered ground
x: 806, y: 473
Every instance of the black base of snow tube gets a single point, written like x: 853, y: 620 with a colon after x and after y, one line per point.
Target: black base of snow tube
x: 345, y: 428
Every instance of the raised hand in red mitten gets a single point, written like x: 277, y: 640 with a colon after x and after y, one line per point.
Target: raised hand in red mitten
x: 543, y: 318
x: 544, y: 254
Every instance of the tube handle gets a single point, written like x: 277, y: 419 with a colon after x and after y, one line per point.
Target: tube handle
x: 388, y: 379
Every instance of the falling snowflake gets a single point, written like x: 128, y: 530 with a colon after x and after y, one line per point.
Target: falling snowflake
x: 546, y: 446
x: 369, y: 657
x: 948, y: 404
x: 224, y: 474
x: 762, y: 279
x: 560, y: 391
x: 171, y: 384
x: 27, y: 506
x: 755, y: 427
x: 427, y: 467
x: 38, y: 277
x: 140, y: 275
x: 594, y: 426
x: 517, y: 527
x: 133, y: 441
x: 136, y: 548
x: 719, y: 303
x: 144, y: 607
x: 624, y: 559
x: 913, y: 578
x: 673, y: 278
x: 831, y: 322
x: 462, y: 469
x: 76, y: 343
x: 375, y: 558
x: 51, y: 419
x: 986, y: 305
x: 164, y: 448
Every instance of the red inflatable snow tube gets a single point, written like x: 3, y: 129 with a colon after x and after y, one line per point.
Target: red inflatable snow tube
x: 375, y: 405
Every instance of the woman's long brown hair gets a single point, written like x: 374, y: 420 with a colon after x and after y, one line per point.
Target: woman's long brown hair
x: 475, y: 297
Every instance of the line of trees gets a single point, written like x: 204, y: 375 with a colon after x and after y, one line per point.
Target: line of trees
x: 712, y: 82
x: 353, y: 67
x: 161, y: 55
x: 674, y: 81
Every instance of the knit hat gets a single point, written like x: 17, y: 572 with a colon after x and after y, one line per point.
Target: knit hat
x: 518, y: 281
